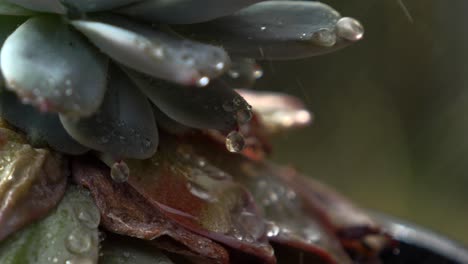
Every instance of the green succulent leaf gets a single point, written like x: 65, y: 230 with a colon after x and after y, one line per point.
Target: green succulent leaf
x: 130, y: 251
x: 175, y: 11
x: 52, y: 6
x: 96, y: 5
x: 32, y: 182
x: 42, y: 129
x: 156, y: 53
x: 123, y: 126
x: 54, y: 67
x: 212, y: 107
x: 275, y: 30
x: 9, y: 9
x: 67, y: 235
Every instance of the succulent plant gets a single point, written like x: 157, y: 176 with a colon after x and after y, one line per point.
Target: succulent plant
x: 128, y: 134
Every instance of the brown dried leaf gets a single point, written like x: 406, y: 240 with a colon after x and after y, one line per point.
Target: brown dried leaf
x: 32, y: 182
x: 124, y: 211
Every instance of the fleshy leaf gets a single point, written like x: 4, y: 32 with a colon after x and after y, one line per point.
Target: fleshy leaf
x: 74, y: 80
x: 357, y: 231
x: 124, y: 211
x: 278, y: 112
x: 212, y: 107
x: 130, y: 251
x: 154, y: 52
x: 41, y: 128
x: 9, y: 9
x: 95, y: 5
x: 279, y: 30
x: 32, y: 182
x: 68, y: 235
x: 175, y: 12
x: 288, y: 224
x: 123, y: 126
x: 200, y: 197
x: 52, y: 6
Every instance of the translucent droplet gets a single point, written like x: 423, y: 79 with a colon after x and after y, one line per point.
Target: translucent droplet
x: 263, y: 28
x: 203, y: 81
x: 235, y: 142
x: 120, y: 172
x: 350, y: 29
x: 220, y: 66
x: 272, y: 229
x: 78, y: 242
x: 258, y: 72
x: 234, y: 74
x: 324, y: 37
x: 90, y: 218
x: 200, y: 192
x: 243, y: 116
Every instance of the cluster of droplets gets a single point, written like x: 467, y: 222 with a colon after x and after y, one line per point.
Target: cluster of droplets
x: 235, y: 141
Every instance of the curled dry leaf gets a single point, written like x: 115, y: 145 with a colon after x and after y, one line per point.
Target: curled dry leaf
x: 32, y: 182
x: 124, y: 211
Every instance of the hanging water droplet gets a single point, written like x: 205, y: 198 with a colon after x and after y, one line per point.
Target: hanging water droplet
x: 203, y: 81
x: 235, y: 142
x: 324, y: 37
x: 120, y: 172
x: 350, y: 29
x: 257, y: 72
x: 262, y: 28
x: 78, y: 242
x: 243, y: 116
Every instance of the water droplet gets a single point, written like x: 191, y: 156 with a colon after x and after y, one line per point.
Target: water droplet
x: 200, y: 192
x: 263, y: 28
x: 243, y: 116
x: 78, y: 242
x: 350, y: 29
x: 324, y: 37
x: 55, y: 260
x: 272, y: 229
x: 203, y: 81
x: 220, y: 66
x: 90, y: 218
x: 257, y: 72
x: 234, y: 74
x: 120, y: 172
x: 235, y: 142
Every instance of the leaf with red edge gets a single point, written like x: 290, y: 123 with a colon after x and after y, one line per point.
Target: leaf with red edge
x: 32, y: 182
x: 357, y: 231
x: 124, y: 211
x: 295, y: 203
x: 201, y: 197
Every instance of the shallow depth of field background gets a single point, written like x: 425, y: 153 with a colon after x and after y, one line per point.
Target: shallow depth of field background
x: 391, y: 128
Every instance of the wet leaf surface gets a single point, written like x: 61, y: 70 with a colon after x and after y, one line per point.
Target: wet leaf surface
x: 201, y: 197
x: 124, y: 211
x: 32, y: 182
x: 301, y: 213
x: 68, y: 235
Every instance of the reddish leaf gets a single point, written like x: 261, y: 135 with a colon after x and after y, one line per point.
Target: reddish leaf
x: 32, y: 182
x: 358, y: 232
x: 200, y: 197
x: 126, y: 212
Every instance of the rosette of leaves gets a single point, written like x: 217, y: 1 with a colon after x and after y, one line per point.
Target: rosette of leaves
x: 119, y: 120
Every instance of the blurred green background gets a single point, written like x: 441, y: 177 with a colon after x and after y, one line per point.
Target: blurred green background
x: 391, y: 127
